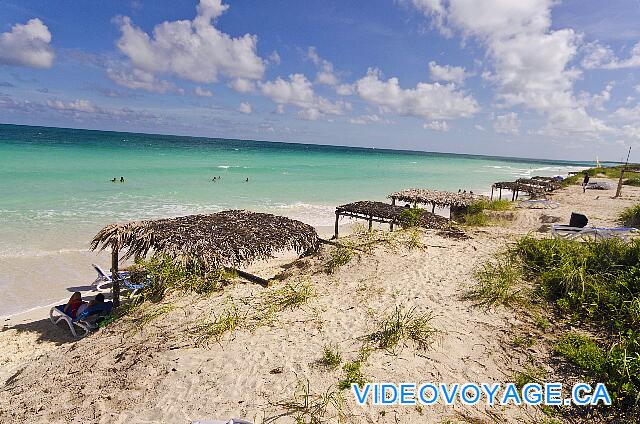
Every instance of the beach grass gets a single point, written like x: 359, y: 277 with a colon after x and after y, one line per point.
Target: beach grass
x: 215, y: 329
x: 339, y: 257
x: 475, y: 215
x: 401, y: 326
x: 499, y: 282
x: 352, y: 375
x: 307, y: 407
x: 331, y: 357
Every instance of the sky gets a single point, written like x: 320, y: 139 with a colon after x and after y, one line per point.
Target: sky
x: 527, y: 78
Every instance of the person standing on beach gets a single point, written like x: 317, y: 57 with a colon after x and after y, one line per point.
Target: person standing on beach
x: 585, y: 181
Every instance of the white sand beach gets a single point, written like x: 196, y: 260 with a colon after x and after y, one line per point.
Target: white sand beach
x: 157, y: 372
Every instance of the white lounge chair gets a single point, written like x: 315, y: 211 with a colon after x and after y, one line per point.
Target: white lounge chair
x: 568, y: 232
x: 85, y: 321
x: 103, y: 281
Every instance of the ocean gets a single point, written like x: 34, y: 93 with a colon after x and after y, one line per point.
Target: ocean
x: 56, y: 190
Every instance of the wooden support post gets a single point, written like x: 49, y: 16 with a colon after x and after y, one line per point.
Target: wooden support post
x: 491, y: 192
x: 393, y: 201
x: 336, y: 229
x: 433, y: 208
x: 115, y: 277
x: 370, y: 223
x: 500, y: 198
x: 391, y: 226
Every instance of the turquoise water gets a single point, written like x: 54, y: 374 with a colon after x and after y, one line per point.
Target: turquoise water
x: 56, y: 193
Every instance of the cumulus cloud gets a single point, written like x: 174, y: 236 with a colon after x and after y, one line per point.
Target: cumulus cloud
x: 298, y: 91
x: 202, y: 92
x: 447, y: 73
x: 531, y: 61
x: 440, y: 126
x: 243, y: 85
x: 599, y: 56
x: 507, y: 124
x: 194, y: 50
x: 244, y: 108
x: 430, y: 101
x: 137, y: 79
x: 27, y: 45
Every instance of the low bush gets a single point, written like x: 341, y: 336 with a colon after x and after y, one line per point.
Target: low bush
x: 630, y: 217
x: 411, y: 217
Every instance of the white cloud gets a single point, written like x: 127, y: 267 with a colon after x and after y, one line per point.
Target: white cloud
x: 326, y: 74
x: 600, y: 56
x: 441, y: 126
x: 280, y: 109
x: 507, y: 124
x: 202, y: 92
x: 194, y: 50
x: 345, y: 89
x: 368, y: 119
x: 140, y: 80
x: 431, y: 101
x: 530, y: 61
x: 447, y: 73
x: 244, y: 108
x: 479, y: 127
x: 27, y: 45
x: 243, y: 85
x: 274, y: 58
x: 298, y: 91
x: 628, y: 114
x: 597, y: 101
x: 74, y: 106
x: 637, y: 87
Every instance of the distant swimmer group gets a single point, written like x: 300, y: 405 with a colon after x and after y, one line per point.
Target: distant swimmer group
x: 114, y: 179
x: 218, y: 178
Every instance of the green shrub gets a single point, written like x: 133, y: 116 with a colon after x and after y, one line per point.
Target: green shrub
x: 331, y: 357
x: 401, y: 326
x: 596, y: 283
x: 630, y: 217
x: 635, y: 181
x: 411, y: 217
x: 499, y: 282
x: 581, y: 351
x: 352, y: 374
x: 474, y: 214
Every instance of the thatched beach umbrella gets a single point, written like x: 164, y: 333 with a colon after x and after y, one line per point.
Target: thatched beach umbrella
x: 230, y: 238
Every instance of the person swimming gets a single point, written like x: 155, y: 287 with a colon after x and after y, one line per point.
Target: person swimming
x: 121, y: 179
x: 113, y: 180
x: 247, y: 180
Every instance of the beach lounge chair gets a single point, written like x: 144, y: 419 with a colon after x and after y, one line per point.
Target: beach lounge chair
x: 85, y: 321
x: 103, y: 281
x: 573, y: 233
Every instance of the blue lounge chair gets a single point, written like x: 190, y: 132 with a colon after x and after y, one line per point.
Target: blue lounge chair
x: 86, y: 320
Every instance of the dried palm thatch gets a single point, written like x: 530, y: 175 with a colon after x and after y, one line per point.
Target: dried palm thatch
x: 386, y: 213
x: 435, y: 197
x: 228, y: 238
x: 546, y: 185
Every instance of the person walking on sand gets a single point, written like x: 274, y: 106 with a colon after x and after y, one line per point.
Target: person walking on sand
x: 585, y: 181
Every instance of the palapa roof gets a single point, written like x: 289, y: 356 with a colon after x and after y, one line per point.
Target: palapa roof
x: 228, y: 238
x: 437, y: 197
x: 390, y: 213
x: 515, y: 185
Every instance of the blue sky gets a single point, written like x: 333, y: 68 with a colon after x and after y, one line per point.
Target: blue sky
x: 535, y: 78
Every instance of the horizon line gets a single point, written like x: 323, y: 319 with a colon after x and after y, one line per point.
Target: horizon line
x: 382, y: 149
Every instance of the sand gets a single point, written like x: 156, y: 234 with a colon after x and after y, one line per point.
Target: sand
x: 156, y: 372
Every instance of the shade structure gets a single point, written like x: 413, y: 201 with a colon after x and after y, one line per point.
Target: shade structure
x: 228, y: 238
x: 436, y: 197
x: 385, y: 213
